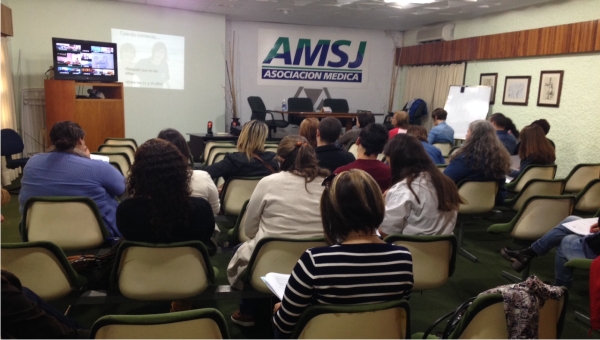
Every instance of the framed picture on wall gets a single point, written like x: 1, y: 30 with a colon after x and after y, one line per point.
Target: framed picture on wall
x: 489, y: 79
x: 550, y: 88
x: 516, y: 90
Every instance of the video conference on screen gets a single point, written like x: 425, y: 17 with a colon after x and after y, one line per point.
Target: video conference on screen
x: 150, y: 60
x: 85, y: 60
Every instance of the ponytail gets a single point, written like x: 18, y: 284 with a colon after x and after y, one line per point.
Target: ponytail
x: 299, y: 158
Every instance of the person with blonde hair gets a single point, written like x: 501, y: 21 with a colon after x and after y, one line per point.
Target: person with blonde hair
x: 400, y: 122
x: 421, y: 201
x: 308, y: 130
x: 285, y: 204
x: 251, y: 158
x: 482, y: 157
x: 358, y: 268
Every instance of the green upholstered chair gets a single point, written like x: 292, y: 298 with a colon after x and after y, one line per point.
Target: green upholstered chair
x: 536, y: 187
x: 588, y: 199
x: 277, y: 255
x: 122, y: 141
x: 41, y: 267
x: 581, y: 264
x: 444, y: 147
x: 531, y: 172
x: 386, y: 320
x: 538, y: 215
x: 237, y: 233
x: 70, y: 222
x: 434, y: 258
x: 157, y: 272
x: 206, y: 323
x: 581, y: 175
x: 236, y: 191
x: 218, y: 149
x: 213, y: 144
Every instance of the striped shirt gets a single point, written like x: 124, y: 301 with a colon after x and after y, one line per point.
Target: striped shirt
x: 348, y: 274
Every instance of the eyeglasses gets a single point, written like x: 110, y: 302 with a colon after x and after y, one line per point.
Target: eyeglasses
x: 327, y: 181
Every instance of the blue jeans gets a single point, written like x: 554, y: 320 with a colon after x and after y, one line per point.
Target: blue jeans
x: 568, y: 246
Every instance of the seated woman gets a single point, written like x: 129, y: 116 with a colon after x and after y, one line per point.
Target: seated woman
x: 251, y: 158
x: 482, y: 157
x: 160, y: 209
x: 569, y: 245
x: 68, y: 171
x: 363, y: 119
x: 421, y: 201
x: 400, y: 123
x: 534, y: 148
x: 308, y: 130
x: 201, y: 184
x: 434, y: 153
x: 367, y: 269
x: 285, y: 204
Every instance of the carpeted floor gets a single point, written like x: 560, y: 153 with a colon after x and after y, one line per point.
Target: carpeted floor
x: 468, y: 280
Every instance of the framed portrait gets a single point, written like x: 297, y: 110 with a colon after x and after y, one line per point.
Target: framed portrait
x: 516, y: 90
x: 550, y: 88
x: 489, y: 79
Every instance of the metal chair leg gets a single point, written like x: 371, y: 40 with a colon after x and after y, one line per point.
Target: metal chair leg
x: 461, y: 250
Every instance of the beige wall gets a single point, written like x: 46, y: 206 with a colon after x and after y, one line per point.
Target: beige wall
x: 575, y: 128
x: 146, y: 110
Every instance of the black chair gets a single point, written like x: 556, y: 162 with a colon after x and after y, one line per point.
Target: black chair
x: 12, y: 144
x: 259, y: 112
x: 338, y: 106
x: 299, y: 105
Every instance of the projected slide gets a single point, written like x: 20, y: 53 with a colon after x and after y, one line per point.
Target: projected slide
x: 150, y: 59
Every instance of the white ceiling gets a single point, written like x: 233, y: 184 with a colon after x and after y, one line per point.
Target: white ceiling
x: 365, y: 14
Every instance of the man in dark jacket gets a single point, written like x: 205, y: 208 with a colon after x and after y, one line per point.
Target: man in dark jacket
x: 329, y: 155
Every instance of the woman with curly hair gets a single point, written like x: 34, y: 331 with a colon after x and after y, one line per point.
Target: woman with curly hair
x: 285, y: 204
x: 482, y: 157
x: 160, y: 209
x: 534, y: 148
x: 251, y: 158
x: 201, y: 184
x: 421, y: 201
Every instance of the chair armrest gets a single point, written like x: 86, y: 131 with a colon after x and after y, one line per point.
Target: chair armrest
x: 500, y: 228
x: 584, y: 264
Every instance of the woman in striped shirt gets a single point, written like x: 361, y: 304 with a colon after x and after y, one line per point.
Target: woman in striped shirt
x: 359, y: 268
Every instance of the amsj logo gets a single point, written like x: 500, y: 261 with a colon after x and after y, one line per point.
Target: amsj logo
x: 332, y: 60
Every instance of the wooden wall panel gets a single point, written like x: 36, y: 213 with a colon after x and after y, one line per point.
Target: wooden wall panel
x: 6, y: 24
x: 555, y: 40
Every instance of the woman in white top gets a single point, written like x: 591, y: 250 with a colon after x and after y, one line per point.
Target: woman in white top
x: 201, y: 184
x: 284, y: 204
x: 421, y: 201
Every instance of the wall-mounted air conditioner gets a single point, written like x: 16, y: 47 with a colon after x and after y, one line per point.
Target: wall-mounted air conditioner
x: 435, y: 33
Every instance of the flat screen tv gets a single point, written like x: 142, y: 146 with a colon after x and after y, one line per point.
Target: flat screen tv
x: 83, y: 60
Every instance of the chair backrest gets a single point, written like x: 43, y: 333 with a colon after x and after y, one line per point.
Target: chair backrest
x: 121, y: 141
x: 538, y: 187
x: 127, y: 149
x: 119, y: 158
x: 70, y: 222
x: 236, y: 191
x: 441, y: 167
x: 581, y: 175
x: 278, y: 255
x: 386, y: 320
x: 41, y: 267
x: 588, y: 200
x: 485, y: 319
x: 205, y: 323
x: 540, y: 214
x: 258, y: 108
x: 211, y: 144
x: 238, y: 230
x: 155, y: 272
x: 11, y: 142
x: 453, y: 150
x: 300, y: 105
x: 434, y: 258
x: 444, y: 147
x: 478, y: 197
x: 353, y: 149
x: 532, y: 172
x: 337, y: 105
x: 271, y: 148
x: 216, y: 150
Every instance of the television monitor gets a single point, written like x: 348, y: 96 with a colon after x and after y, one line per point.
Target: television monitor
x: 84, y: 60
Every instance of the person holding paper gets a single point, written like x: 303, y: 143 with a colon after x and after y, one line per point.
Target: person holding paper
x: 572, y: 241
x: 359, y: 268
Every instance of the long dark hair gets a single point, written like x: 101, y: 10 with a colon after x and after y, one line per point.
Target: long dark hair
x: 173, y: 136
x: 408, y: 159
x: 536, y: 146
x: 299, y: 158
x: 161, y: 174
